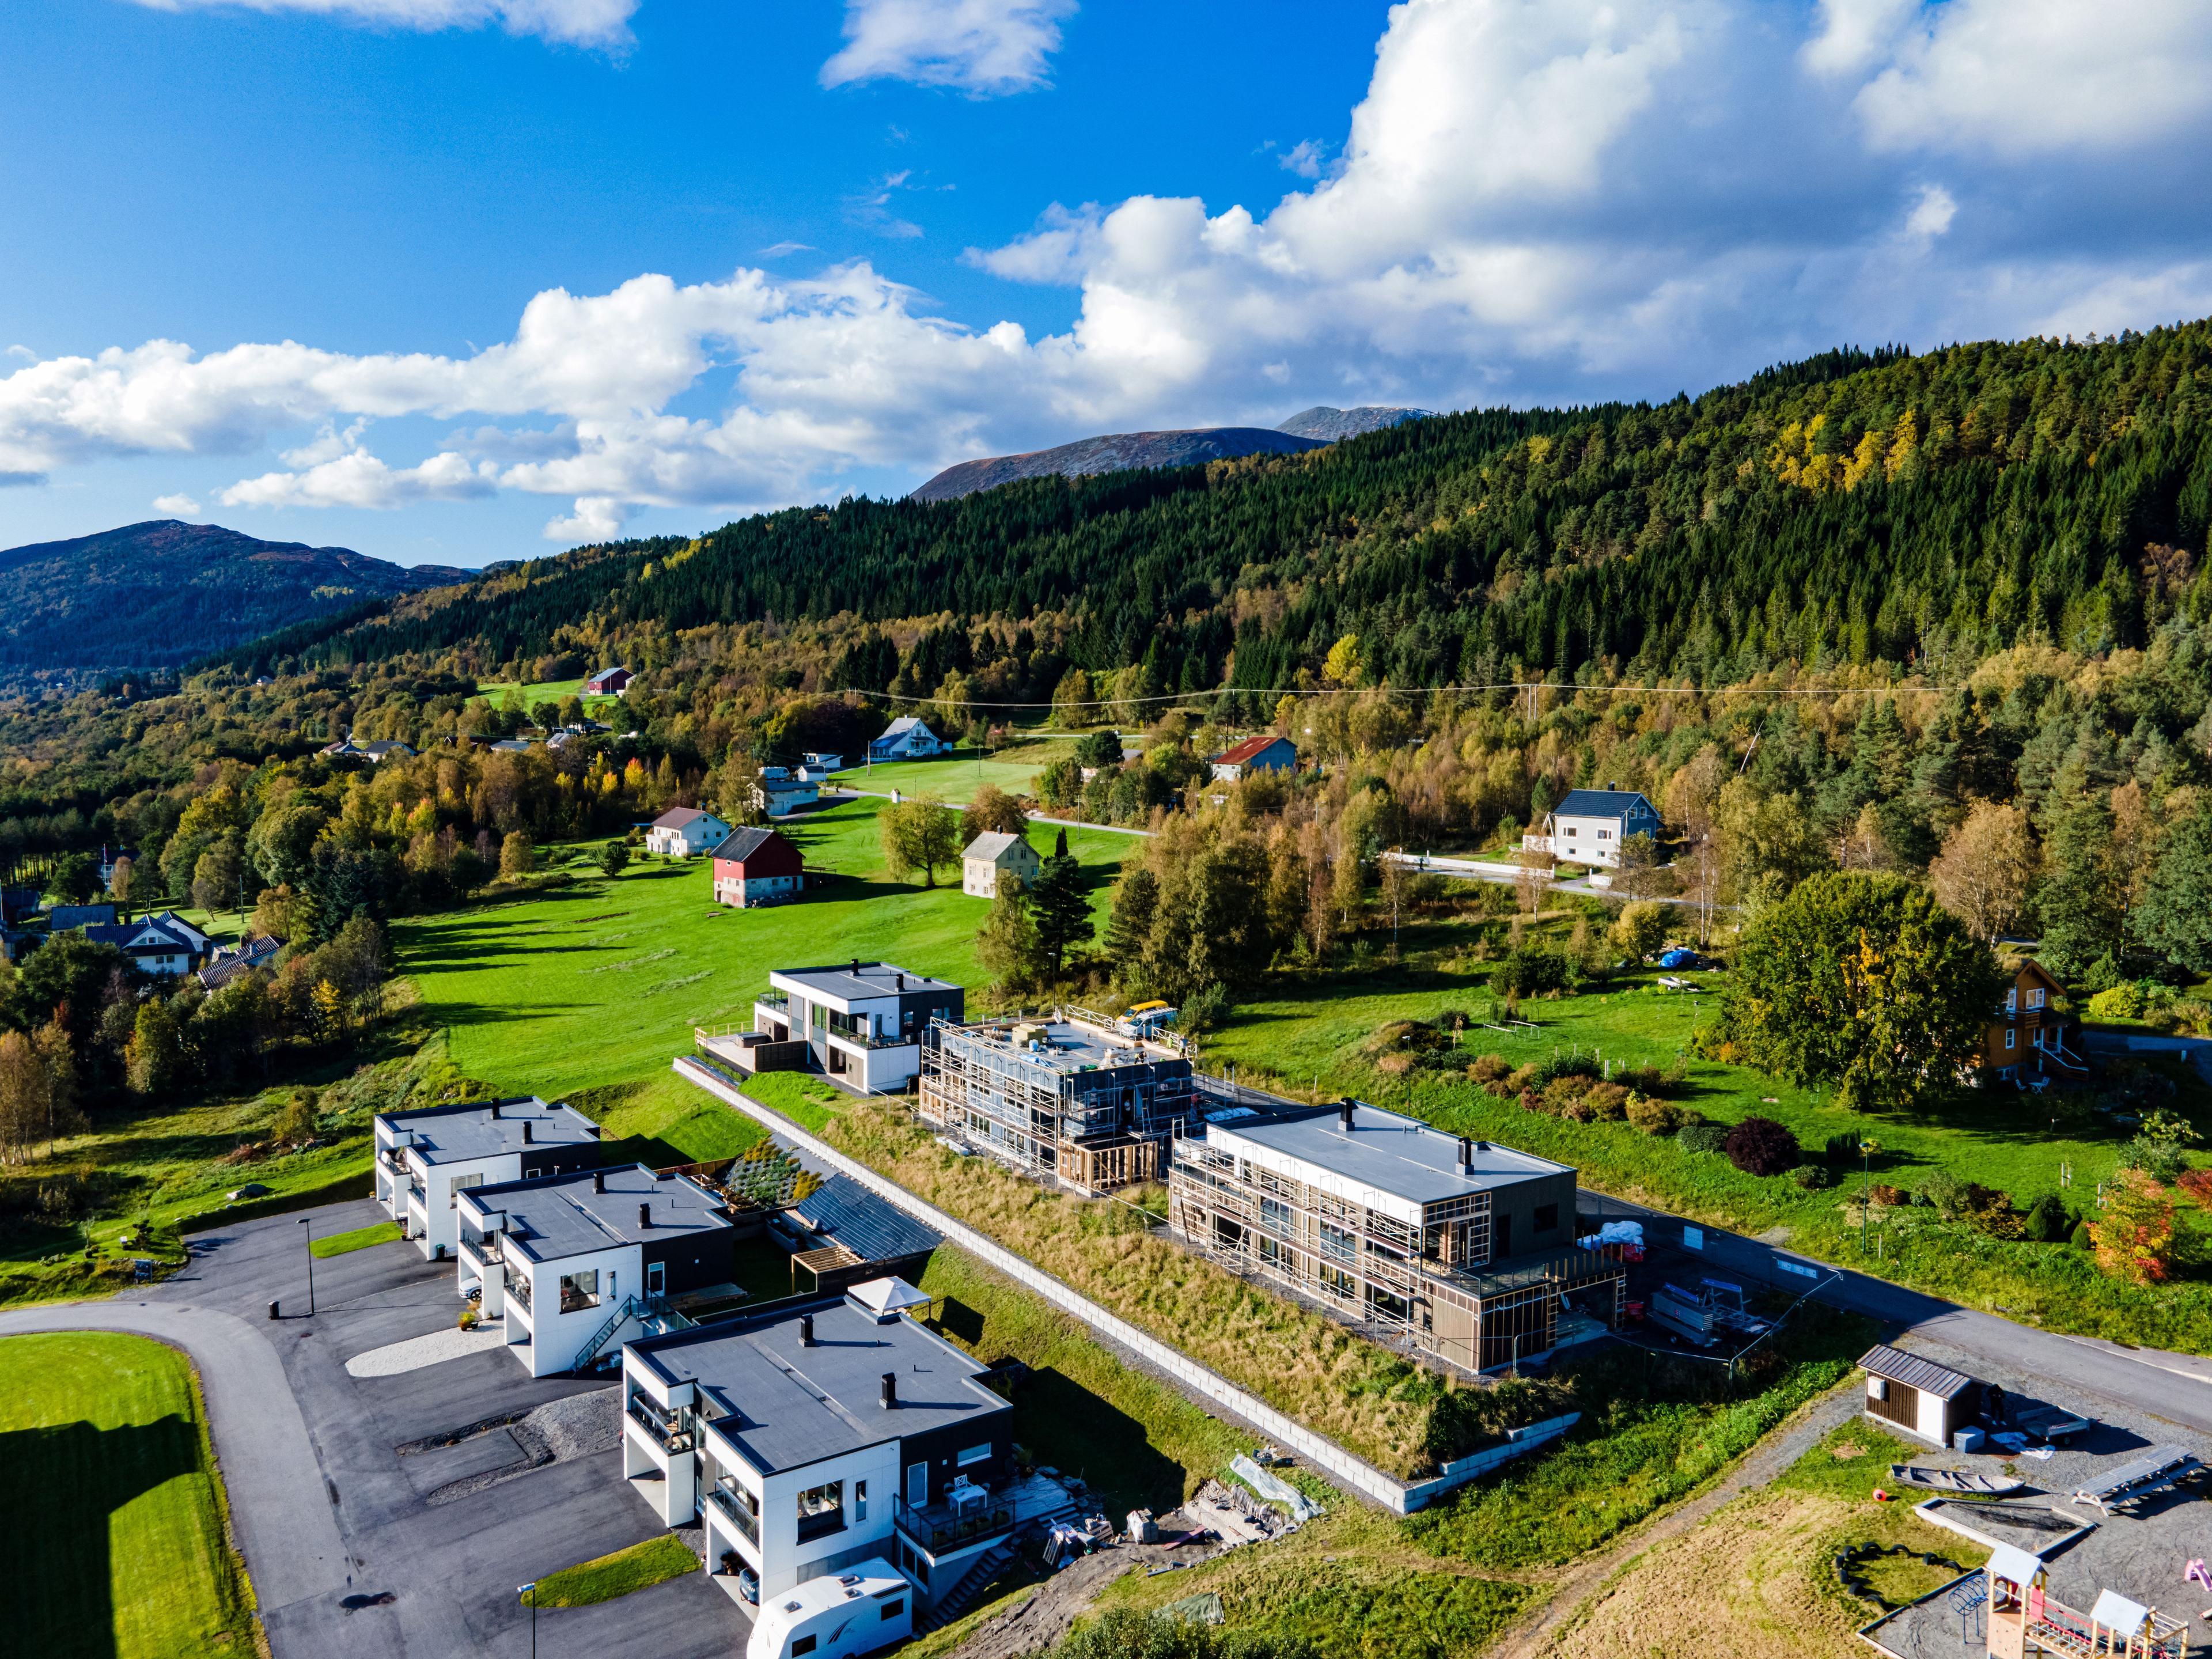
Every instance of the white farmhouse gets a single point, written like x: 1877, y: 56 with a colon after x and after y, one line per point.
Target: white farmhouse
x: 994, y: 853
x: 1589, y: 826
x: 685, y: 832
x: 907, y: 738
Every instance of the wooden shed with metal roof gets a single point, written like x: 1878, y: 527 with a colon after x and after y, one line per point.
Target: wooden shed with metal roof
x: 1916, y: 1396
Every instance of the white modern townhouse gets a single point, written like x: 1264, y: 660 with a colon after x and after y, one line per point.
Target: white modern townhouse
x: 822, y: 1439
x: 863, y: 1024
x: 577, y: 1264
x: 426, y: 1159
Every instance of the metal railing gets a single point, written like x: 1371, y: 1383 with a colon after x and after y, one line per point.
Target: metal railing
x: 731, y: 1504
x: 517, y: 1290
x: 773, y: 1000
x: 670, y: 1433
x: 939, y: 1527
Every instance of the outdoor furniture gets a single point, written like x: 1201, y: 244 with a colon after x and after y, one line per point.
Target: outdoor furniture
x: 2155, y: 1471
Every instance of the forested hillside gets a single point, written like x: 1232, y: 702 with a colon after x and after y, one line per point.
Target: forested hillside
x: 158, y: 594
x: 1856, y: 507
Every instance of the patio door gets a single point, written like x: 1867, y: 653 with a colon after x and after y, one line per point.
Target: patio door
x: 656, y: 1279
x: 917, y: 1485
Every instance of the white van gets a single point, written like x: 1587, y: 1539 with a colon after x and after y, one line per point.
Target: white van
x: 838, y: 1616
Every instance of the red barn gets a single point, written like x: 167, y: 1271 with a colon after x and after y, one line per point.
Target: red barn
x: 608, y: 682
x: 756, y: 866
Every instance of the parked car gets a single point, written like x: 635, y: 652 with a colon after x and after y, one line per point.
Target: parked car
x: 251, y: 1189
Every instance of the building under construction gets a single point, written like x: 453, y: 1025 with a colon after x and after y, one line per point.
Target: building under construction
x: 1071, y: 1097
x: 1466, y: 1247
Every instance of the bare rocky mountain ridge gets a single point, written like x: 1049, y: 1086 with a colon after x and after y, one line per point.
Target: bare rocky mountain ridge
x: 161, y: 593
x: 1120, y: 452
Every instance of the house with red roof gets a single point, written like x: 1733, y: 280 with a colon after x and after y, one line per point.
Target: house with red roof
x: 1267, y: 752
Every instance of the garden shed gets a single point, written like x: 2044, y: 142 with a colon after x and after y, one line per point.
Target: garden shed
x: 1916, y: 1396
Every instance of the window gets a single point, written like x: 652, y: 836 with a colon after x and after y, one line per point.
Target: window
x: 1570, y: 829
x: 1605, y: 835
x: 452, y: 1193
x: 580, y: 1290
x: 656, y: 1279
x: 822, y: 1511
x: 1546, y: 1218
x: 1270, y: 1251
x: 2035, y: 998
x: 1336, y: 1242
x: 892, y: 1609
x: 974, y: 1454
x: 860, y: 1500
x: 917, y: 1484
x: 800, y: 1644
x: 2012, y: 1039
x: 1275, y: 1217
x: 2012, y: 1001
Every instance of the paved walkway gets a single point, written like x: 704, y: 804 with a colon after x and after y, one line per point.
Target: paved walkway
x: 396, y: 1358
x: 279, y: 1509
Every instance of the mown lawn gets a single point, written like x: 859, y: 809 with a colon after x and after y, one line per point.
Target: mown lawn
x: 597, y: 708
x: 594, y: 986
x: 627, y: 1570
x: 109, y: 1498
x: 361, y: 1238
x: 956, y: 776
x: 1301, y: 1037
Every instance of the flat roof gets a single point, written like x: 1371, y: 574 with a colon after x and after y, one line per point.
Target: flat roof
x: 555, y: 1216
x: 445, y: 1134
x: 1384, y: 1153
x: 1069, y: 1045
x: 785, y: 1406
x: 859, y: 981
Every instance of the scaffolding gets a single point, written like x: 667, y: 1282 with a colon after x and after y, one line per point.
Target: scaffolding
x: 1068, y: 1097
x: 1430, y: 1283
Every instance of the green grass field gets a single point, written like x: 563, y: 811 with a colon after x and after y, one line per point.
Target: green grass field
x: 114, y: 1511
x: 546, y: 691
x: 956, y: 776
x: 589, y: 990
x: 1298, y: 1039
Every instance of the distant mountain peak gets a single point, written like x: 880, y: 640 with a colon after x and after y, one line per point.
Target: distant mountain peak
x: 1335, y: 425
x: 1115, y: 452
x: 161, y: 592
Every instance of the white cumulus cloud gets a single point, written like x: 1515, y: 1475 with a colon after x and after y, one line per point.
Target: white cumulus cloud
x: 177, y: 507
x: 985, y: 47
x: 575, y: 22
x: 1555, y: 202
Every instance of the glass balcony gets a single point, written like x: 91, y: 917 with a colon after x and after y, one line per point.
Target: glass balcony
x: 773, y: 1000
x: 667, y: 1430
x: 517, y: 1290
x: 942, y: 1528
x: 731, y: 1505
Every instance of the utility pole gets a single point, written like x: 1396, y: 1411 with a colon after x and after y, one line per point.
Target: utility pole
x: 308, y: 1239
x: 1868, y: 1148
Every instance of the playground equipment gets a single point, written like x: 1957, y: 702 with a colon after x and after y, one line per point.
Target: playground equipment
x: 2024, y: 1620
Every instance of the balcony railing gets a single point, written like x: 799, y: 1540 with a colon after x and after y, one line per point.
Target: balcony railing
x: 484, y: 1247
x: 733, y: 1505
x: 860, y: 1040
x: 669, y: 1432
x: 938, y: 1528
x: 517, y: 1290
x: 773, y: 1000
x: 417, y: 1197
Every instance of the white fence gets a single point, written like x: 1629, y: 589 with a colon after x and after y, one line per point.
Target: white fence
x: 1324, y: 1454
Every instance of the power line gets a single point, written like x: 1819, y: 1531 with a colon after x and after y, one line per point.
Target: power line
x: 1409, y: 691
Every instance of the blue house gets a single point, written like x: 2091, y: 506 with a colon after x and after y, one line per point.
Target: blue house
x: 1265, y: 753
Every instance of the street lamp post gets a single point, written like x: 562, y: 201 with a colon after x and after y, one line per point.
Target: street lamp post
x: 308, y: 1239
x: 530, y: 1589
x: 1868, y: 1148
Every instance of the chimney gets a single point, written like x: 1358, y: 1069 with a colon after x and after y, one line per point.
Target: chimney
x: 806, y: 1330
x: 901, y: 982
x: 526, y: 1127
x: 599, y: 1177
x: 644, y: 1214
x: 1466, y: 1156
x: 890, y: 1391
x: 856, y: 964
x: 1344, y: 1108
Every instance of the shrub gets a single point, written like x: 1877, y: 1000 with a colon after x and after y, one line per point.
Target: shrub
x: 1489, y: 1069
x: 1529, y: 970
x: 1842, y: 1149
x: 1655, y: 1118
x: 1563, y: 1091
x: 2081, y: 1239
x: 1702, y: 1137
x: 1394, y: 1065
x: 1811, y: 1177
x: 1453, y: 1019
x: 1894, y: 1198
x: 1608, y: 1103
x: 2160, y: 1159
x: 2047, y: 1222
x: 2197, y: 1183
x: 1531, y: 1101
x: 2133, y: 1238
x: 1761, y: 1146
x: 2122, y: 1001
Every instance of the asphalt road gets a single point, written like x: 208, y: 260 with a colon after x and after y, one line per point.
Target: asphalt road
x: 325, y: 1507
x: 2171, y: 1387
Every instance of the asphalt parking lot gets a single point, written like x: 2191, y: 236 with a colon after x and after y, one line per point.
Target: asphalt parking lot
x: 451, y: 1569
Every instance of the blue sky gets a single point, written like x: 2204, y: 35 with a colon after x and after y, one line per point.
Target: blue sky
x: 459, y: 280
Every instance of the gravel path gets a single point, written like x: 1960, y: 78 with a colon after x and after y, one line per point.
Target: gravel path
x: 576, y: 1425
x: 397, y: 1358
x: 1535, y: 1634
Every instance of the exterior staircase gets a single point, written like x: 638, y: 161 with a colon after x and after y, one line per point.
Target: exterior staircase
x: 965, y: 1593
x: 653, y: 1313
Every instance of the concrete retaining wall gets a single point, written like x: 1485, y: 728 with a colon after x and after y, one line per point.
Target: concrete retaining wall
x: 1325, y: 1455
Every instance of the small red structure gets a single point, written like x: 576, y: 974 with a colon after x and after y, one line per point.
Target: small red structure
x: 757, y: 866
